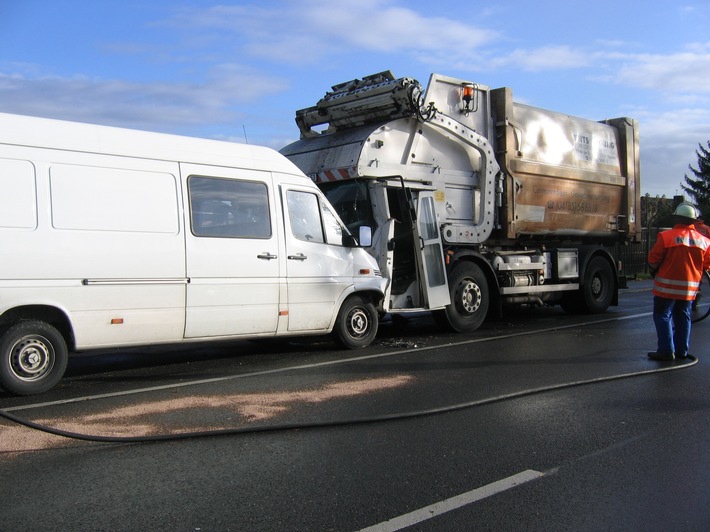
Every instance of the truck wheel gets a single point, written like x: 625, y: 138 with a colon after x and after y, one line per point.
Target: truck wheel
x: 33, y: 358
x: 469, y: 298
x: 357, y: 323
x: 598, y: 289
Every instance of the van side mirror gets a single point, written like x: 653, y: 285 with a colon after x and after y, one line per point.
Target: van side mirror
x: 364, y: 239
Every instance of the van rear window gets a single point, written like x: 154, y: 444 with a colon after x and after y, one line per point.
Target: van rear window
x: 229, y: 208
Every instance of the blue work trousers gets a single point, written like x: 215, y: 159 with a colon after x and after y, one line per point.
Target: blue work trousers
x: 672, y: 320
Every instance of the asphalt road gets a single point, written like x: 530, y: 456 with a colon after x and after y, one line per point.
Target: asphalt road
x: 539, y: 421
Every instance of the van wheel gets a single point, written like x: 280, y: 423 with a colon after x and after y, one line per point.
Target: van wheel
x: 34, y: 357
x: 470, y: 299
x: 356, y: 325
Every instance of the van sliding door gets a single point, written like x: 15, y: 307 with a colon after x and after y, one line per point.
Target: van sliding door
x: 233, y: 255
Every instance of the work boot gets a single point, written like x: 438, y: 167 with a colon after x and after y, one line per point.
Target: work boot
x: 655, y: 355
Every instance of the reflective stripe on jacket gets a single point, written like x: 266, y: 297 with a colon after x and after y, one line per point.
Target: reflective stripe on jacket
x: 683, y: 254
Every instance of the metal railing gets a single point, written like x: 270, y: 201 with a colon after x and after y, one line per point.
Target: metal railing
x: 633, y: 256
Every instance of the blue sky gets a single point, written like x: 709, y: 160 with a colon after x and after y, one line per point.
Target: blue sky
x: 226, y: 69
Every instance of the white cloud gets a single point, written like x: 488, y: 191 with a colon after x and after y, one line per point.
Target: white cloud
x: 310, y: 30
x: 388, y: 29
x: 544, y: 58
x: 683, y: 72
x: 165, y: 105
x: 668, y: 142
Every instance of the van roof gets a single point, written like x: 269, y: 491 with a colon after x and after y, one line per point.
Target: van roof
x: 38, y: 132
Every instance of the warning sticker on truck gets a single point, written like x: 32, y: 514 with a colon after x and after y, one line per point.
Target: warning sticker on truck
x: 595, y: 148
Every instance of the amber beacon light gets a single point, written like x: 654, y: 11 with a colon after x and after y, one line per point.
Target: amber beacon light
x: 467, y: 97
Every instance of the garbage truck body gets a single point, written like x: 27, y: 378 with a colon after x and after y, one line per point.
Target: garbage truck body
x: 476, y: 201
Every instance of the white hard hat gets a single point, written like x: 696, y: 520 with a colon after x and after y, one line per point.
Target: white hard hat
x: 686, y: 210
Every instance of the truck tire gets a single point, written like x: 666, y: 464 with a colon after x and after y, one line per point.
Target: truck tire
x: 598, y: 288
x: 470, y: 298
x: 356, y: 325
x: 33, y: 359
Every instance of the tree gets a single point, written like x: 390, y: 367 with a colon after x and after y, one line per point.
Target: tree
x: 656, y: 212
x: 698, y: 188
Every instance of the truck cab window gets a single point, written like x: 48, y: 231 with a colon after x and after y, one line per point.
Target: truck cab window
x: 351, y: 200
x: 229, y: 208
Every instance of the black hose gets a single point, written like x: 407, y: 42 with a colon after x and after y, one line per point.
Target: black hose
x: 335, y: 423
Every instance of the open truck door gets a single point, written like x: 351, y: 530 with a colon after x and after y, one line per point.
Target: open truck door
x: 430, y: 257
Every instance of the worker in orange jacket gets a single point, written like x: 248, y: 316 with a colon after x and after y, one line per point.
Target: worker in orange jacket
x: 677, y: 262
x: 702, y: 228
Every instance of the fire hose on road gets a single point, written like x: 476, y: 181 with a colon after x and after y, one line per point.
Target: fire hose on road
x: 342, y: 422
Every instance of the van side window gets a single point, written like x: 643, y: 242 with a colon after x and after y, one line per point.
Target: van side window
x: 229, y: 208
x: 311, y: 220
x: 93, y: 198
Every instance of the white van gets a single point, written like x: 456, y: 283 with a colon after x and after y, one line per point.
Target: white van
x: 114, y: 237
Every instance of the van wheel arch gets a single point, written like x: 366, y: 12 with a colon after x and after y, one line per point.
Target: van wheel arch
x: 52, y: 315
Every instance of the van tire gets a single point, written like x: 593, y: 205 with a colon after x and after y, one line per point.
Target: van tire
x: 33, y: 357
x: 356, y: 325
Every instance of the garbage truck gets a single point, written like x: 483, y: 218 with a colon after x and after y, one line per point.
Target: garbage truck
x: 475, y: 202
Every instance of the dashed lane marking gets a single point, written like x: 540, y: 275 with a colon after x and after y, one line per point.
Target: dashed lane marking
x: 442, y: 507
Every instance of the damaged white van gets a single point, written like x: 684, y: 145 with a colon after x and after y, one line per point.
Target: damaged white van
x: 112, y: 237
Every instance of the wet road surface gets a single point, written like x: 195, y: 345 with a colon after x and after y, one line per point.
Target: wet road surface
x: 538, y: 421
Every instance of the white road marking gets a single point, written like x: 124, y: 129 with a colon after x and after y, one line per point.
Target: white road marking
x: 317, y: 364
x: 438, y: 508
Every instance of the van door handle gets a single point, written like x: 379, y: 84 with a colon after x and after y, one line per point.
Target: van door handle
x: 266, y: 255
x: 300, y: 256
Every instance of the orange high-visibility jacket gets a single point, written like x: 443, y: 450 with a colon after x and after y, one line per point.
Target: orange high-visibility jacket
x: 683, y: 254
